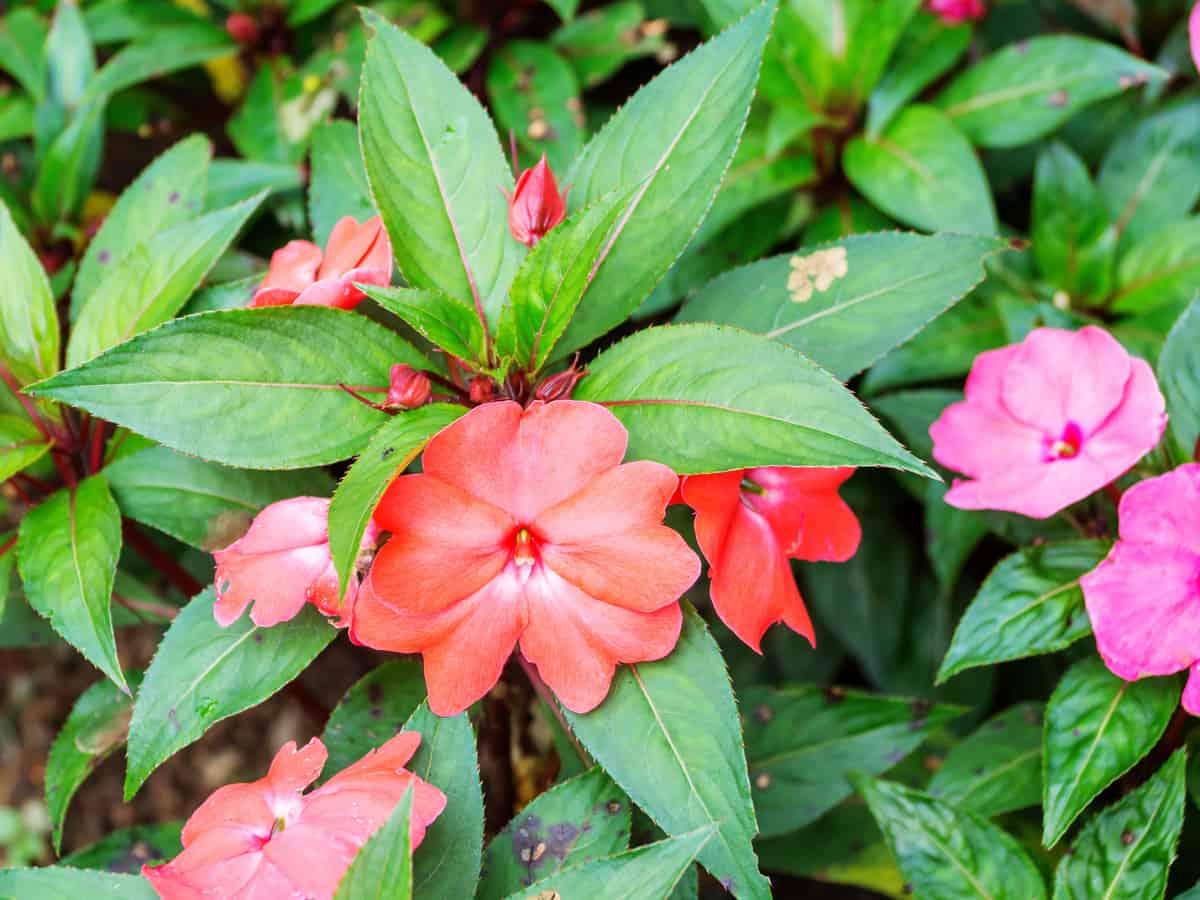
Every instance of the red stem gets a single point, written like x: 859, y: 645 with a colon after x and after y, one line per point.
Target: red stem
x: 145, y: 606
x: 8, y: 545
x: 30, y: 408
x: 96, y: 455
x: 543, y: 691
x: 175, y: 574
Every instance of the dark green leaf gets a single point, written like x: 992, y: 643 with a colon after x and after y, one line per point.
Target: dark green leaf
x: 460, y: 46
x: 1026, y: 90
x: 1161, y: 270
x: 670, y: 144
x: 686, y: 768
x: 923, y: 172
x: 758, y: 403
x: 389, y: 453
x: 890, y: 285
x: 200, y: 503
x: 67, y: 555
x: 535, y: 95
x: 604, y: 39
x: 22, y: 40
x: 161, y: 52
x: 928, y: 48
x: 802, y: 742
x: 383, y: 868
x: 1030, y: 604
x: 998, y: 768
x: 28, y: 320
x: 436, y: 172
x: 445, y: 322
x: 1124, y: 853
x: 203, y: 673
x: 247, y: 387
x: 1097, y: 728
x: 69, y: 166
x: 21, y: 445
x: 231, y: 181
x: 373, y: 710
x: 339, y: 181
x: 62, y: 883
x: 950, y: 854
x: 1072, y: 239
x: 1179, y: 375
x: 128, y: 849
x: 95, y: 728
x: 576, y: 821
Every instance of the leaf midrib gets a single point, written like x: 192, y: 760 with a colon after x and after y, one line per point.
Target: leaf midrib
x: 1096, y: 740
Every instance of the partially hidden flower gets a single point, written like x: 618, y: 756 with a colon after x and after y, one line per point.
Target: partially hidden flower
x: 524, y: 527
x: 750, y: 522
x: 1048, y: 421
x: 1144, y: 599
x: 300, y: 274
x: 535, y: 205
x: 267, y: 839
x: 952, y: 12
x: 1194, y: 34
x: 281, y: 563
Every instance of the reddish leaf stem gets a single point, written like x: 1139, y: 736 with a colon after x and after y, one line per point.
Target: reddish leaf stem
x: 30, y: 407
x: 96, y: 453
x: 146, y: 606
x: 8, y: 545
x: 175, y: 574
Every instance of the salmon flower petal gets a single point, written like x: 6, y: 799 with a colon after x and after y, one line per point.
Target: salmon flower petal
x: 267, y: 839
x: 750, y: 522
x: 281, y: 563
x: 301, y: 274
x: 1048, y: 421
x: 524, y: 525
x: 1144, y: 599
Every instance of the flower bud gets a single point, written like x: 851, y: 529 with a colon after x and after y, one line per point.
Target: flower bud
x: 243, y: 29
x: 481, y: 390
x: 408, y: 388
x: 535, y: 206
x: 558, y: 386
x: 952, y: 12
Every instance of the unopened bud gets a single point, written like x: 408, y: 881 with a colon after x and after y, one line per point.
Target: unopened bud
x: 535, y: 206
x: 243, y: 29
x: 481, y: 390
x: 408, y: 388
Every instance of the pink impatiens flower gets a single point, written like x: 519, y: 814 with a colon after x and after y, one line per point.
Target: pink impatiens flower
x: 1048, y: 421
x: 267, y: 839
x: 1194, y: 34
x: 281, y: 563
x: 524, y: 527
x: 952, y: 12
x: 1144, y: 599
x: 300, y: 274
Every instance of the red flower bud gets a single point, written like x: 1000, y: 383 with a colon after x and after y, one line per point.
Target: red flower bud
x: 953, y: 12
x: 408, y: 388
x: 243, y: 29
x: 535, y: 206
x: 558, y: 386
x: 481, y: 390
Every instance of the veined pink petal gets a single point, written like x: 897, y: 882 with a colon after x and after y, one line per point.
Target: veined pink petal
x: 1164, y: 510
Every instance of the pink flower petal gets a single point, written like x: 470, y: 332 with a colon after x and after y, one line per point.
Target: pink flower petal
x: 1164, y: 510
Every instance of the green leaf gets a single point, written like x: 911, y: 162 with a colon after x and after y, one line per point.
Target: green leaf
x: 1026, y: 90
x: 1097, y: 728
x: 998, y: 768
x: 686, y: 767
x: 373, y: 710
x: 1030, y: 604
x: 67, y: 556
x: 383, y: 868
x: 828, y: 56
x: 167, y: 192
x: 651, y: 872
x: 893, y: 285
x: 128, y: 849
x: 436, y: 172
x: 22, y: 40
x: 923, y: 172
x: 1179, y: 376
x: 62, y: 883
x: 203, y: 504
x: 445, y: 322
x: 1161, y: 270
x: 928, y: 48
x: 247, y: 387
x: 203, y: 673
x: 21, y: 445
x: 70, y: 61
x: 565, y: 8
x: 756, y: 403
x: 1150, y: 176
x: 802, y: 741
x: 389, y: 453
x: 16, y: 118
x: 339, y: 182
x: 576, y: 821
x: 950, y: 854
x: 69, y: 166
x: 153, y: 282
x: 552, y: 281
x: 28, y: 320
x: 670, y: 144
x: 162, y: 51
x: 534, y: 94
x: 231, y: 181
x: 95, y: 728
x: 1125, y: 852
x: 1072, y: 239
x: 447, y: 866
x: 602, y: 40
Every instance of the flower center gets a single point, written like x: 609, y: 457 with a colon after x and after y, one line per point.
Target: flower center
x: 524, y: 552
x: 1066, y: 446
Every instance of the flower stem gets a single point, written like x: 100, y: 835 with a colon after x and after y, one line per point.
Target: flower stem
x: 544, y: 692
x: 161, y: 610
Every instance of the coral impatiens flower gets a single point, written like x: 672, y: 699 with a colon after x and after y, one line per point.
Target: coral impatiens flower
x: 281, y: 563
x: 1144, y: 599
x: 525, y: 527
x: 266, y: 839
x: 535, y: 205
x: 952, y: 12
x: 1048, y: 421
x: 300, y: 274
x: 750, y: 522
